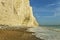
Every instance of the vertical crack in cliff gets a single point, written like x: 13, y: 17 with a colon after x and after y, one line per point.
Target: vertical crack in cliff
x: 26, y: 20
x: 15, y: 10
x: 3, y: 3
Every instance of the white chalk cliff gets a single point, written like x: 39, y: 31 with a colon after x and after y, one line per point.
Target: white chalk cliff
x: 17, y: 13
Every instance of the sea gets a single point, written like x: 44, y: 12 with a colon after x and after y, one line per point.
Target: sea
x: 50, y: 32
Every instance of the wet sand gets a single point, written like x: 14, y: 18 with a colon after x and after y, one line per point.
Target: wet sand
x: 16, y: 34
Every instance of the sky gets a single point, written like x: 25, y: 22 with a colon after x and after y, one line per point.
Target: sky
x: 47, y: 12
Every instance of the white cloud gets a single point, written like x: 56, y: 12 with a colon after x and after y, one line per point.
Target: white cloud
x: 39, y: 10
x: 48, y: 8
x: 57, y: 11
x: 49, y: 5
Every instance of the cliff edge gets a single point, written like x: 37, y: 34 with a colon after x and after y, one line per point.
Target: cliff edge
x: 17, y: 13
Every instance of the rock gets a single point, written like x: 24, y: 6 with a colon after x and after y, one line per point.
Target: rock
x: 17, y: 13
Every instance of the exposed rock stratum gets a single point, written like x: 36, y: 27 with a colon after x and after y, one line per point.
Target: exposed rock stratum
x: 17, y: 13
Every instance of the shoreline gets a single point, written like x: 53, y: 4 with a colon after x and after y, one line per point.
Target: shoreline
x: 12, y: 33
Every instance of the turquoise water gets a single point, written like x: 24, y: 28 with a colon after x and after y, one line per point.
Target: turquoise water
x: 47, y: 32
x: 53, y: 26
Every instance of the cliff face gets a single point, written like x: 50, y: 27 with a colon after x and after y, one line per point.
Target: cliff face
x: 17, y: 13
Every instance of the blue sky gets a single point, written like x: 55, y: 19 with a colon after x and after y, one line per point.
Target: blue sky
x: 47, y: 12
